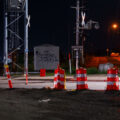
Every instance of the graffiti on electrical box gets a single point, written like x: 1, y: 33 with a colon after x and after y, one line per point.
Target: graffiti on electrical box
x: 46, y: 57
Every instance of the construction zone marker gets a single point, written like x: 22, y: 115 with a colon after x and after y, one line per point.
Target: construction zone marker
x: 8, y: 76
x: 112, y: 79
x: 81, y: 75
x: 59, y: 79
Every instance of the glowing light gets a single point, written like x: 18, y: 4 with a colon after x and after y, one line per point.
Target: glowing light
x: 115, y: 26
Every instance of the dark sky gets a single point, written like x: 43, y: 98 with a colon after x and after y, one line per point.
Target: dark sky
x: 53, y: 22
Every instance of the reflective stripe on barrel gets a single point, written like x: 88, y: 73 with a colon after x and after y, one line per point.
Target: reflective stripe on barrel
x: 112, y: 75
x: 81, y: 82
x: 81, y: 75
x: 58, y: 81
x: 58, y: 74
x: 112, y: 83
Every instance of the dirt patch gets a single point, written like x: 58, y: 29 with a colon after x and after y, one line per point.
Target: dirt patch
x: 42, y: 104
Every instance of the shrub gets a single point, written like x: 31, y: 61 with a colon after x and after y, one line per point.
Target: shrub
x: 92, y: 70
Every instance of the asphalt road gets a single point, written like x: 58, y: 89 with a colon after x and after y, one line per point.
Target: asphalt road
x: 48, y: 104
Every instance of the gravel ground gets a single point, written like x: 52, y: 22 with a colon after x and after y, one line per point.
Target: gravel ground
x: 45, y: 104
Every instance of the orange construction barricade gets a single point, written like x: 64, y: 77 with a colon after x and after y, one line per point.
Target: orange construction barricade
x: 59, y: 79
x: 112, y: 79
x: 81, y: 75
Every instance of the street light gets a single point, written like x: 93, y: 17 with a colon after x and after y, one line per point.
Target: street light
x: 115, y: 26
x: 113, y: 33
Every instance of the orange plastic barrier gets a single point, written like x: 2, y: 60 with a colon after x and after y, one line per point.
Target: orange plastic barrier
x: 59, y: 79
x: 112, y: 79
x: 81, y: 75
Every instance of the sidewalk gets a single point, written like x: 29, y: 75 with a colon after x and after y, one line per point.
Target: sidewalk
x: 95, y: 82
x: 92, y: 77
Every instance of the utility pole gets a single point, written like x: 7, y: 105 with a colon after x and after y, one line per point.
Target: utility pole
x: 26, y: 38
x: 77, y: 31
x: 6, y: 40
x: 80, y: 28
x: 83, y: 15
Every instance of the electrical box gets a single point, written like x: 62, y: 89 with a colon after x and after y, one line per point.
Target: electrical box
x: 46, y: 57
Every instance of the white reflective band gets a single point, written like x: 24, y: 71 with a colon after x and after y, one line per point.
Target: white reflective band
x: 112, y: 75
x: 81, y: 75
x: 112, y: 83
x: 57, y: 74
x: 117, y: 83
x: 81, y: 82
x: 61, y: 75
x: 58, y: 81
x: 7, y: 73
x: 9, y: 79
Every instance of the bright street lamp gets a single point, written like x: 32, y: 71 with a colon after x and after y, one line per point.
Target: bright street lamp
x: 115, y: 26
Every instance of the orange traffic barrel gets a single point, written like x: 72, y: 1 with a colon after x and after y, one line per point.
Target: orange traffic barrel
x: 59, y: 79
x: 81, y: 75
x: 112, y: 79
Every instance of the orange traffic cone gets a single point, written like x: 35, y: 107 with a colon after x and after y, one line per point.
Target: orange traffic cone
x: 8, y: 76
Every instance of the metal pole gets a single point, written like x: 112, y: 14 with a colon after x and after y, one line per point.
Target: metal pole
x: 70, y: 68
x: 6, y: 40
x: 26, y: 39
x: 83, y: 61
x: 77, y: 32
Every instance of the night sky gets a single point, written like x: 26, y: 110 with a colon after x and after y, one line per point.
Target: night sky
x: 53, y: 22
